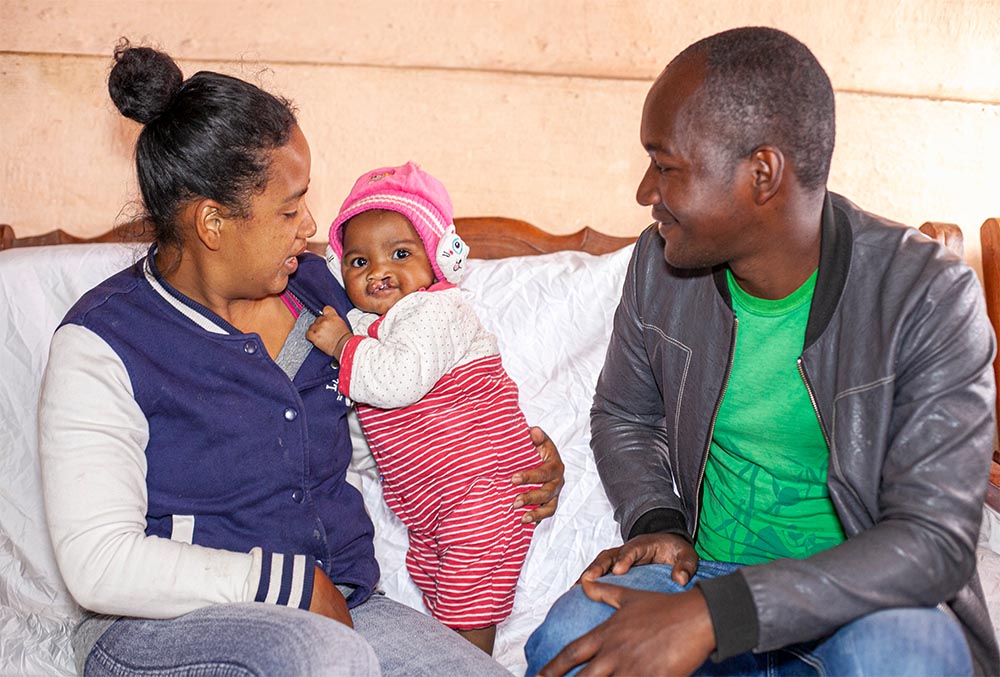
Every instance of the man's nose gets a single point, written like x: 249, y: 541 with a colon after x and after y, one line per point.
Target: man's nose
x: 646, y: 194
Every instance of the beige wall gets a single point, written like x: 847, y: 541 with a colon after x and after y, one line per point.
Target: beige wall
x: 524, y: 108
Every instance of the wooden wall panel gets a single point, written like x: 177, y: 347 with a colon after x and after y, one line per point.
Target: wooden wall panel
x: 935, y: 48
x: 562, y: 153
x: 524, y: 108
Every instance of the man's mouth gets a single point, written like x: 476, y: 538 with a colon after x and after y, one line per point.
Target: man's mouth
x: 662, y: 217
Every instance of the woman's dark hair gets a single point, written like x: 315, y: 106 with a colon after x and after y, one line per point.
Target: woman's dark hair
x: 208, y: 136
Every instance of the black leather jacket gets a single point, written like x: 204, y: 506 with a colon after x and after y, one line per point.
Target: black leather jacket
x: 897, y: 361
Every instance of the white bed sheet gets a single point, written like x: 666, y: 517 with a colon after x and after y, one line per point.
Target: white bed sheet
x: 552, y: 315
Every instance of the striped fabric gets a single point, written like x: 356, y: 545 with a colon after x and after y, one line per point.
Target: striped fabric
x: 284, y: 578
x: 292, y: 303
x: 446, y: 463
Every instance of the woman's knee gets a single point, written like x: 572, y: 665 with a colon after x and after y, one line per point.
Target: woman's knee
x: 319, y: 645
x: 233, y: 639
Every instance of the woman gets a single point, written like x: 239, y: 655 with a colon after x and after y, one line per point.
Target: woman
x: 194, y: 444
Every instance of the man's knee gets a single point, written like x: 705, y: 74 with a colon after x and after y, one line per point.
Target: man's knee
x: 572, y: 616
x: 911, y: 641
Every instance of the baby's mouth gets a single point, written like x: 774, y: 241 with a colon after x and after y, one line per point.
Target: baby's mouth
x: 381, y: 286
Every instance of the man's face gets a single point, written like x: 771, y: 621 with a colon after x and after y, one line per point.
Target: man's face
x: 699, y: 196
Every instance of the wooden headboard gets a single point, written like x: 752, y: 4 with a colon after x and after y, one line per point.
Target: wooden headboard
x: 488, y: 237
x: 989, y: 239
x: 495, y: 237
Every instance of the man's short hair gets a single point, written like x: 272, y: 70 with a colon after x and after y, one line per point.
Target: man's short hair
x: 764, y: 87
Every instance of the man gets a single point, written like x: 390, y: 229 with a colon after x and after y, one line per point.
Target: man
x: 795, y: 417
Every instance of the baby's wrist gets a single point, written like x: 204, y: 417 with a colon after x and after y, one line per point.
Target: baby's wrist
x: 338, y: 347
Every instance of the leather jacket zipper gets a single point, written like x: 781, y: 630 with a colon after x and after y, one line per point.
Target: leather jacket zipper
x: 711, y: 428
x: 812, y: 400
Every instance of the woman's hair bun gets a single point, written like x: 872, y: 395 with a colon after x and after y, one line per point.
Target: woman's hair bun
x: 143, y: 81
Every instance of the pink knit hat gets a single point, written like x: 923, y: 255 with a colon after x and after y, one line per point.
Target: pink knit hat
x: 419, y: 197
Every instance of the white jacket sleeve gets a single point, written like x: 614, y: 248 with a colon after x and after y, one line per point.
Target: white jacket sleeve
x: 92, y: 439
x: 423, y: 337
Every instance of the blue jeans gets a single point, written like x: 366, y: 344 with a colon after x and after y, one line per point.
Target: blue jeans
x: 260, y: 639
x: 912, y: 641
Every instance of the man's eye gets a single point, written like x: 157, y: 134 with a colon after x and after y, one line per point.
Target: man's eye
x: 291, y: 215
x: 401, y: 253
x: 660, y: 169
x: 358, y: 262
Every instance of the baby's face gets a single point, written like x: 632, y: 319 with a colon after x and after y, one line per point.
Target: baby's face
x: 384, y: 260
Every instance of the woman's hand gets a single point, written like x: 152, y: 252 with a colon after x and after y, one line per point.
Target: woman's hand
x: 327, y: 600
x: 549, y: 474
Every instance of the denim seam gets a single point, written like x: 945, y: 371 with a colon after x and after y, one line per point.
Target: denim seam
x: 808, y: 658
x: 204, y: 669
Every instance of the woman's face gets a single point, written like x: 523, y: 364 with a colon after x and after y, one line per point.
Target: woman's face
x: 264, y: 251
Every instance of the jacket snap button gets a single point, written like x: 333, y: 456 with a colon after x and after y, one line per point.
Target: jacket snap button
x: 250, y: 347
x: 290, y: 414
x: 297, y: 495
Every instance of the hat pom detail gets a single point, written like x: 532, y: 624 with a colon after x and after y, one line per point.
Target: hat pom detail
x: 451, y: 255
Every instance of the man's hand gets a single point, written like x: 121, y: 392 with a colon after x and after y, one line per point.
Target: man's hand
x: 549, y: 474
x: 327, y: 600
x: 671, y: 549
x: 650, y: 632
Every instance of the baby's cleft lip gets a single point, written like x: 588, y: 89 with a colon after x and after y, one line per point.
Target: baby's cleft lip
x: 379, y: 287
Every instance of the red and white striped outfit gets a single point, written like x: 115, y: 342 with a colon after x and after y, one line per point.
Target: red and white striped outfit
x: 442, y: 419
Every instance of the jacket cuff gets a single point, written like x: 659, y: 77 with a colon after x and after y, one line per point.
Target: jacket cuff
x: 347, y: 364
x: 286, y: 580
x: 660, y: 521
x: 734, y: 616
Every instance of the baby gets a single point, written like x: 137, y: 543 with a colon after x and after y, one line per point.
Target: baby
x: 435, y: 404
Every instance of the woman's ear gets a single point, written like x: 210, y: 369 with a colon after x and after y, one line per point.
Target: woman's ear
x: 208, y: 224
x: 767, y: 167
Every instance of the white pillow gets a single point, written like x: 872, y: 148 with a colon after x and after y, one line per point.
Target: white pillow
x: 552, y: 316
x: 37, y: 286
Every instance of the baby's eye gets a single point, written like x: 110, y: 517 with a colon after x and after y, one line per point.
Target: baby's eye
x: 358, y: 262
x: 401, y: 253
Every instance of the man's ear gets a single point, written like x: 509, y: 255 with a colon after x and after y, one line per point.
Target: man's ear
x: 767, y: 167
x: 209, y: 222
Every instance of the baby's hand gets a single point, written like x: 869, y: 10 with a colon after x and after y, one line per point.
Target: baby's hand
x: 329, y: 333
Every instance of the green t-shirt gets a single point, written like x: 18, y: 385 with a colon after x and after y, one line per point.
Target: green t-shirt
x: 764, y: 494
